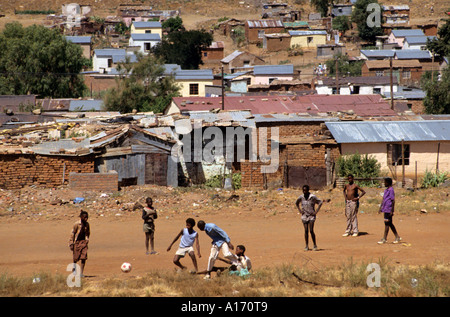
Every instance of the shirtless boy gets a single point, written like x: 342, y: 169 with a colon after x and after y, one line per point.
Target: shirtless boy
x: 352, y: 198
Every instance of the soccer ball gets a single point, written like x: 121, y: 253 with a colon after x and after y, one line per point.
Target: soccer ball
x: 125, y: 267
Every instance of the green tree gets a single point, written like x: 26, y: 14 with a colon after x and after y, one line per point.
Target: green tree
x: 322, y: 6
x: 173, y: 24
x: 143, y: 86
x: 38, y: 60
x: 437, y: 99
x: 359, y: 16
x: 183, y: 48
x: 345, y: 67
x: 341, y: 23
x: 441, y: 45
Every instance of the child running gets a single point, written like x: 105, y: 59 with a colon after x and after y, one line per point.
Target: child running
x: 188, y: 237
x: 387, y: 207
x: 308, y: 212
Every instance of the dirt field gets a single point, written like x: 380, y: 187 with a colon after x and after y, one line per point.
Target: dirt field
x: 34, y: 232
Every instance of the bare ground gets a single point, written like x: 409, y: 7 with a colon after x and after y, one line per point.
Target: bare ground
x: 34, y: 232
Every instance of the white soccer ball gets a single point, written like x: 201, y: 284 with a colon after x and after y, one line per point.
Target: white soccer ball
x: 125, y: 267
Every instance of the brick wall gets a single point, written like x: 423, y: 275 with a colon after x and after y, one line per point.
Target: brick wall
x: 17, y: 171
x: 108, y: 182
x: 303, y: 154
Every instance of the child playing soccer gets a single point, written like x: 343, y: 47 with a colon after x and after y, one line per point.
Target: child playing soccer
x: 188, y: 237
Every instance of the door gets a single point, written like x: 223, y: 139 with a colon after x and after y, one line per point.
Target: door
x: 315, y: 177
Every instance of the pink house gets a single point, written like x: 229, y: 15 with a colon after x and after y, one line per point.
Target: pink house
x: 398, y: 36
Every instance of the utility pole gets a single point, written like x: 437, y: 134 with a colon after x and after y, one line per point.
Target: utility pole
x: 223, y: 92
x: 392, y: 84
x: 337, y: 77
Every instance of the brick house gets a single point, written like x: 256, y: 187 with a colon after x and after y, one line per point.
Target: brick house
x: 128, y: 155
x: 214, y: 53
x: 255, y: 29
x: 406, y: 71
x: 239, y: 61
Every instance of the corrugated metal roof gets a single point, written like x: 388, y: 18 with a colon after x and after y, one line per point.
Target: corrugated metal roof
x: 303, y: 33
x: 232, y: 56
x: 419, y: 39
x: 412, y: 54
x: 273, y: 69
x: 79, y: 39
x: 147, y: 24
x: 390, y: 131
x: 378, y: 53
x: 265, y: 24
x: 201, y: 74
x: 145, y: 37
x: 403, y: 33
x: 109, y: 51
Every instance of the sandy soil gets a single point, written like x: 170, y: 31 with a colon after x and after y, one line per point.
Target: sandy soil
x: 266, y: 223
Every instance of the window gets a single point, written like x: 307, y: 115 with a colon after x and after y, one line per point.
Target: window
x: 193, y: 89
x: 406, y: 74
x: 147, y: 47
x: 309, y: 39
x: 246, y: 63
x: 394, y: 153
x: 110, y: 62
x: 148, y: 31
x: 377, y: 91
x: 260, y: 34
x: 379, y: 73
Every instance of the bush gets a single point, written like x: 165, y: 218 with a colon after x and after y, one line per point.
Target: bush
x: 431, y: 179
x: 358, y: 165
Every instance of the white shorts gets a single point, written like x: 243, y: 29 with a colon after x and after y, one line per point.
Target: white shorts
x: 182, y: 251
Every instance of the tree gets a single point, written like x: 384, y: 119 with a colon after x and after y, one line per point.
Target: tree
x: 359, y: 16
x: 441, y: 45
x: 345, y: 67
x: 437, y: 99
x: 143, y: 86
x: 40, y: 61
x: 341, y: 23
x: 183, y: 48
x: 173, y: 24
x: 322, y: 6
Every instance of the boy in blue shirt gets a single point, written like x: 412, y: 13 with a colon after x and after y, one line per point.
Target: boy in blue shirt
x: 220, y: 241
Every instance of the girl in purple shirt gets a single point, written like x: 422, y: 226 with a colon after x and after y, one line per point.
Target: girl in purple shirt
x: 387, y: 208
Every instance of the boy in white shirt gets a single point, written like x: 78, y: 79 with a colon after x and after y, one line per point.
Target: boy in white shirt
x: 188, y: 237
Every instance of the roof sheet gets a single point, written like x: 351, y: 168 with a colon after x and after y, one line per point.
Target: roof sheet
x: 307, y: 32
x: 145, y: 37
x: 419, y: 39
x: 147, y: 24
x: 265, y: 24
x: 378, y: 53
x: 390, y: 131
x: 410, y: 32
x: 362, y: 105
x: 273, y: 69
x: 412, y: 54
x: 79, y: 39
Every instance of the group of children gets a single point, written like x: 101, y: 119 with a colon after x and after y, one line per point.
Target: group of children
x: 239, y: 263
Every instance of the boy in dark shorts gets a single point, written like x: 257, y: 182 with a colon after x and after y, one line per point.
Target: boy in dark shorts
x: 387, y: 208
x: 79, y: 239
x: 149, y: 215
x: 308, y: 212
